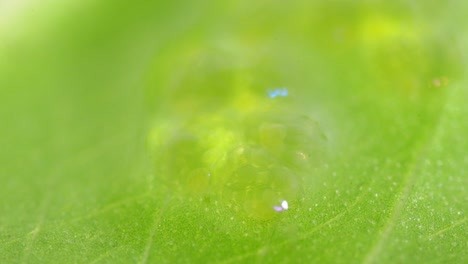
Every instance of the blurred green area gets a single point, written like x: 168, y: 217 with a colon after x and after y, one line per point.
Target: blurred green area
x: 113, y: 113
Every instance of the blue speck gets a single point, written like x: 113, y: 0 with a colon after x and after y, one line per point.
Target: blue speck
x: 283, y: 92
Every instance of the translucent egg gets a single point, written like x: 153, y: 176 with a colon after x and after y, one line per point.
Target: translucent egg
x: 198, y: 182
x: 258, y: 188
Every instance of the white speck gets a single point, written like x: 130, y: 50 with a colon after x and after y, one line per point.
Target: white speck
x: 376, y: 195
x: 284, y: 206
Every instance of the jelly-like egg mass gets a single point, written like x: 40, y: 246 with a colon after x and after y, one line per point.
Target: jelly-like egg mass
x: 250, y: 147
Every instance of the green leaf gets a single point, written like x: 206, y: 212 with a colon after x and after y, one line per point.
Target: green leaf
x: 138, y: 132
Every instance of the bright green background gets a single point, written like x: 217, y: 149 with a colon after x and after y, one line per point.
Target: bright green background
x: 82, y: 83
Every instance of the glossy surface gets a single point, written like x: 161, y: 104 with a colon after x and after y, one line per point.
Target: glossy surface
x: 145, y: 132
x: 253, y: 159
